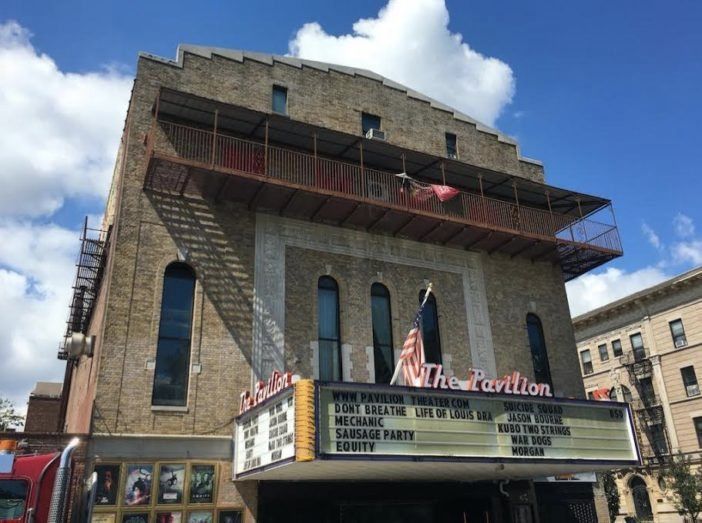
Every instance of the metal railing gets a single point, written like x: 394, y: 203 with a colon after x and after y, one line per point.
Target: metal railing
x: 225, y: 153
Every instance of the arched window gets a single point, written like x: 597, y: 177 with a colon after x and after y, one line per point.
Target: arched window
x: 173, y: 349
x: 626, y: 394
x: 613, y: 394
x: 642, y: 503
x: 539, y: 356
x: 382, y: 333
x: 430, y: 330
x: 328, y: 331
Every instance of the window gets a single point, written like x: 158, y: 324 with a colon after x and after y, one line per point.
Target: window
x: 382, y: 333
x: 13, y: 498
x: 280, y: 99
x: 613, y: 394
x: 451, y: 150
x: 698, y: 430
x: 587, y: 361
x: 368, y: 122
x: 430, y: 330
x: 539, y: 356
x: 617, y: 347
x: 638, y: 346
x: 690, y: 381
x: 591, y: 395
x: 659, y: 442
x: 173, y: 349
x: 678, y: 332
x: 626, y: 394
x: 329, y: 338
x: 604, y: 355
x: 647, y: 392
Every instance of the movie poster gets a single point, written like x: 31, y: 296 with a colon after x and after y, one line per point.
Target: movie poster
x: 101, y: 517
x: 201, y: 516
x: 202, y: 480
x: 169, y: 517
x: 171, y: 480
x: 135, y: 517
x: 137, y: 484
x: 229, y: 516
x: 107, y: 484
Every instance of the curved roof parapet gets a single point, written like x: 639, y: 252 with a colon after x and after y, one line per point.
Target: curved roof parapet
x: 269, y: 59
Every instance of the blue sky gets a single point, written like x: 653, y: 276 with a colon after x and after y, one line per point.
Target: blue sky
x: 606, y: 94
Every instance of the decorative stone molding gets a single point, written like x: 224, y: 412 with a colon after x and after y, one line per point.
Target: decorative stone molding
x: 274, y: 234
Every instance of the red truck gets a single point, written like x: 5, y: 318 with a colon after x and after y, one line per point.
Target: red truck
x: 34, y: 487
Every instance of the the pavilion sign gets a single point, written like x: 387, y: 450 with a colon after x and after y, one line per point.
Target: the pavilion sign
x: 264, y: 390
x: 432, y: 377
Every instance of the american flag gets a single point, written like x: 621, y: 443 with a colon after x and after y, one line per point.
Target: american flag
x: 412, y: 355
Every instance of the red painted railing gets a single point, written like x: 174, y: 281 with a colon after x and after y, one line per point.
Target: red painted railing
x: 310, y: 172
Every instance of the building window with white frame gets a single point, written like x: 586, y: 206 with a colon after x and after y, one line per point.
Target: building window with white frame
x: 586, y: 359
x: 604, y: 355
x: 689, y: 379
x: 637, y: 345
x: 617, y: 347
x: 678, y: 332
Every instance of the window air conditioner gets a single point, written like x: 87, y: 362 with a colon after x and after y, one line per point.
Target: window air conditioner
x: 377, y: 190
x: 375, y: 134
x: 680, y: 342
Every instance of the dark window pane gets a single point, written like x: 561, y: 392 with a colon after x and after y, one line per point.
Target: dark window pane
x: 690, y: 381
x: 368, y: 122
x: 647, y: 391
x: 638, y: 347
x: 451, y: 150
x: 698, y: 429
x: 613, y: 394
x: 587, y: 361
x: 626, y: 394
x: 539, y: 355
x: 13, y: 498
x: 173, y: 350
x: 382, y: 333
x: 430, y: 330
x: 280, y: 99
x: 328, y: 329
x: 678, y: 333
x: 617, y: 347
x: 604, y: 355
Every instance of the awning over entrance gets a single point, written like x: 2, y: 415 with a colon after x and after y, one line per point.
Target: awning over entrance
x: 346, y: 431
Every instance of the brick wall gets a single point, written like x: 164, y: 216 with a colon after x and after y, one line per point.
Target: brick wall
x: 42, y: 414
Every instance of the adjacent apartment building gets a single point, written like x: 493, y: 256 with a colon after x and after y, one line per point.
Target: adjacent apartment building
x: 270, y: 217
x: 645, y: 349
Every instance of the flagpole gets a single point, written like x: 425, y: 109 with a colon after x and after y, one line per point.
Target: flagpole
x: 398, y: 367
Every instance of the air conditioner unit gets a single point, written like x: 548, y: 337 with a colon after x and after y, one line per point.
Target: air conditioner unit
x: 375, y: 134
x: 680, y: 342
x: 377, y: 190
x: 79, y: 345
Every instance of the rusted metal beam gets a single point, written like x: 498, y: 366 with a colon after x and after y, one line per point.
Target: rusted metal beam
x: 502, y: 244
x: 377, y: 220
x: 478, y: 240
x: 253, y: 202
x: 405, y: 224
x: 288, y: 202
x: 319, y: 208
x: 349, y: 215
x: 433, y: 230
x: 525, y: 248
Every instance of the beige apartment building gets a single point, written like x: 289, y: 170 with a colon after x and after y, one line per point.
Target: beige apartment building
x: 270, y: 214
x: 646, y: 349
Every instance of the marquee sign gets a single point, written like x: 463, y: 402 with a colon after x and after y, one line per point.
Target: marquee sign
x: 378, y: 421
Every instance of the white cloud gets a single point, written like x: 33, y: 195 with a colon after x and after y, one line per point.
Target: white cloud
x: 688, y: 252
x: 651, y: 235
x: 36, y: 272
x: 596, y: 289
x: 684, y: 226
x: 410, y: 42
x: 59, y: 130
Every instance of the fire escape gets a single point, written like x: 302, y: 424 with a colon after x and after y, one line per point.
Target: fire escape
x: 650, y: 421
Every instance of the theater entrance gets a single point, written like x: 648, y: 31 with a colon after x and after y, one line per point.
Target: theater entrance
x: 364, y: 502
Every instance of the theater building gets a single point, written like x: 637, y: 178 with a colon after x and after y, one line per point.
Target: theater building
x: 279, y: 220
x: 645, y: 350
